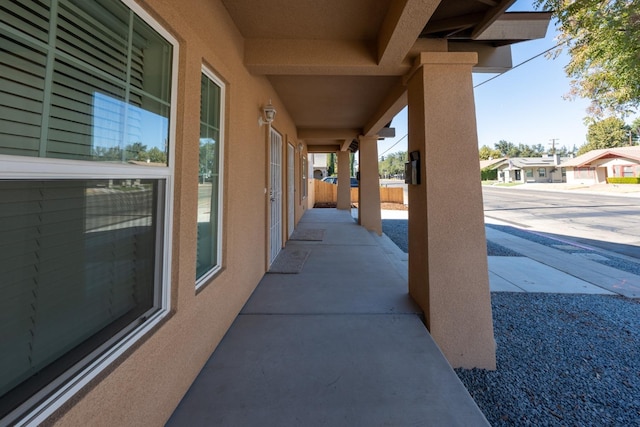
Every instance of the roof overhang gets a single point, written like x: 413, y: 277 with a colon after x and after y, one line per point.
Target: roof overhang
x: 338, y: 65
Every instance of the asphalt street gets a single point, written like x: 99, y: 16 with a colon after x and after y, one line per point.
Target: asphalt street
x: 607, y: 222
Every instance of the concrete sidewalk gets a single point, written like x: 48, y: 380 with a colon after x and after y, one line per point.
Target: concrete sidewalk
x: 546, y: 269
x: 541, y: 269
x: 339, y: 344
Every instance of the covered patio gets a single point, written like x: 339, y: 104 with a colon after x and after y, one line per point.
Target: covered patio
x: 340, y: 343
x: 232, y: 96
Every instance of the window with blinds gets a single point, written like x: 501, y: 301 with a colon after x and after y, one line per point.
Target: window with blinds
x: 83, y: 80
x: 82, y: 245
x: 208, y: 259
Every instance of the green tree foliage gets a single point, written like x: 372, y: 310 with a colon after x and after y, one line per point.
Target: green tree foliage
x: 564, y: 151
x: 635, y: 131
x: 136, y: 151
x: 487, y: 153
x: 603, y: 41
x: 392, y: 164
x: 607, y: 133
x: 331, y: 164
x: 509, y: 149
x: 352, y: 164
x: 207, y: 158
x: 156, y: 155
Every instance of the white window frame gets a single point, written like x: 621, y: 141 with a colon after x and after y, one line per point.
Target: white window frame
x: 37, y: 168
x: 207, y: 276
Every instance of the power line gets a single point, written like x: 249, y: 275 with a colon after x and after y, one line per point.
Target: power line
x: 492, y: 78
x: 397, y: 142
x: 522, y: 63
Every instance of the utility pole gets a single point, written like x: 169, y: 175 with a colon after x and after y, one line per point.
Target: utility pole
x: 553, y: 145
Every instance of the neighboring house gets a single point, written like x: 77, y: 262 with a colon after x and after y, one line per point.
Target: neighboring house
x: 118, y: 280
x: 529, y: 169
x: 596, y: 166
x: 487, y: 171
x: 319, y: 162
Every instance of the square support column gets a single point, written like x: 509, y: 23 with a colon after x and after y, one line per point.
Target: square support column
x: 448, y: 274
x: 369, y: 190
x: 344, y: 181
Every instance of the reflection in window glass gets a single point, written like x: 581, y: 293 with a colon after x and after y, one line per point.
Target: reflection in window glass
x: 81, y: 260
x: 109, y: 97
x: 208, y: 257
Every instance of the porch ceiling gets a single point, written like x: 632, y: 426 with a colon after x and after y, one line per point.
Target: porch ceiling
x: 337, y: 65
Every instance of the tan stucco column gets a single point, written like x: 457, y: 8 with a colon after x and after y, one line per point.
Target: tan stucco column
x: 369, y: 190
x: 344, y: 182
x: 448, y: 274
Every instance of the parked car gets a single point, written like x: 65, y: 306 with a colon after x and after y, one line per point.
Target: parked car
x: 334, y: 180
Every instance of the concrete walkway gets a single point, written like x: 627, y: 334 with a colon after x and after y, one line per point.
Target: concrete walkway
x: 339, y: 344
x: 542, y: 269
x: 546, y: 269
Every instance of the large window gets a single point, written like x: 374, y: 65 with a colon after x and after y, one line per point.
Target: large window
x: 584, y: 172
x: 208, y: 260
x: 85, y: 191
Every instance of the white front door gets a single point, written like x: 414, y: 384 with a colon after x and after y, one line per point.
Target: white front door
x: 275, y: 196
x: 291, y: 182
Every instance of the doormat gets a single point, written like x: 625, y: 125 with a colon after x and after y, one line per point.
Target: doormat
x: 290, y: 261
x: 310, y: 234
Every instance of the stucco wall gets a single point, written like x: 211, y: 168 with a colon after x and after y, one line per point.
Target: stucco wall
x: 144, y: 387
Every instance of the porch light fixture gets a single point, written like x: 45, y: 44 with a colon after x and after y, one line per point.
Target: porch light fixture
x: 269, y: 113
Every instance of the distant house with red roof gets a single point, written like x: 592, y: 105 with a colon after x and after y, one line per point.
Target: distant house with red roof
x: 596, y: 166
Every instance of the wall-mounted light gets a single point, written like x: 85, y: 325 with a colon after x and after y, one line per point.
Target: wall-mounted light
x: 269, y: 113
x: 300, y: 147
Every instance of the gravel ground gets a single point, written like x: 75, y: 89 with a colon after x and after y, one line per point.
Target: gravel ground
x: 396, y: 230
x: 563, y: 360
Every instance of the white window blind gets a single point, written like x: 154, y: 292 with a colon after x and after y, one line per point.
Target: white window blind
x: 95, y: 86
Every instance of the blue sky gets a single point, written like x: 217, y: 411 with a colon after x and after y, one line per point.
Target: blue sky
x: 524, y: 105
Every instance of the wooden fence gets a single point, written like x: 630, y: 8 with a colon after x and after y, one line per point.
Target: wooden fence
x: 328, y: 193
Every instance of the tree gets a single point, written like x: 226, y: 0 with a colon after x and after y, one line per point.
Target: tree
x: 607, y: 133
x: 331, y: 164
x: 487, y: 153
x: 507, y: 149
x: 635, y: 131
x: 392, y: 164
x: 111, y: 154
x: 564, y: 151
x: 352, y: 164
x: 603, y: 41
x: 156, y: 155
x: 136, y: 151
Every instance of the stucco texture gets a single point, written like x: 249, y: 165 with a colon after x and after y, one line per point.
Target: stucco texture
x: 447, y: 259
x: 144, y: 386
